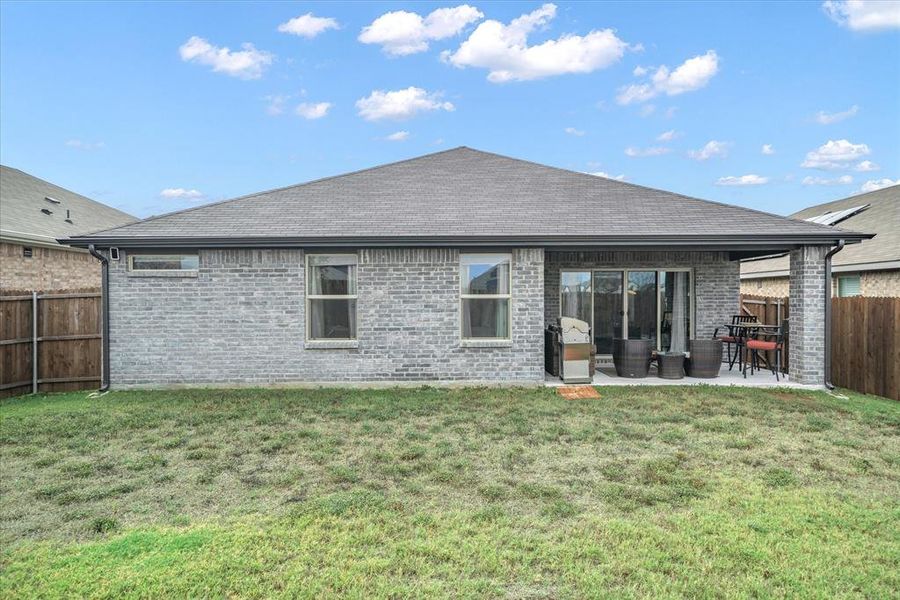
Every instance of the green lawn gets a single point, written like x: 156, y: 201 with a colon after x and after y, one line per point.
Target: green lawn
x: 516, y: 493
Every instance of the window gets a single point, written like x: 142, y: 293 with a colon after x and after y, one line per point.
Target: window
x: 848, y: 285
x: 163, y: 262
x: 331, y: 296
x: 485, y: 295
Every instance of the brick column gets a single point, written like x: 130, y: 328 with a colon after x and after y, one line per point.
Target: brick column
x: 807, y: 312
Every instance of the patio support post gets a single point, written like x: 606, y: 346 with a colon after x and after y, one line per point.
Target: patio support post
x: 807, y: 310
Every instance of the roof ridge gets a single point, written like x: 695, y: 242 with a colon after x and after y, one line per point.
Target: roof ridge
x: 282, y: 188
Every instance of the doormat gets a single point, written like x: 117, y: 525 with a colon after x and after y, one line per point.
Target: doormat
x: 578, y: 392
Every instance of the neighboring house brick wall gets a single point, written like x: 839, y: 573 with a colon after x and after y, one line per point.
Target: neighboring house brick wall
x: 871, y: 283
x: 48, y: 269
x: 242, y: 320
x: 716, y: 280
x: 807, y: 310
x: 773, y: 287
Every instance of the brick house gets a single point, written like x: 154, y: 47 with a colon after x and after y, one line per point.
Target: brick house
x: 445, y: 267
x: 871, y: 268
x: 33, y: 214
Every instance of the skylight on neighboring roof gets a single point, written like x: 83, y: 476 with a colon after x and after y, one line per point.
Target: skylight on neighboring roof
x: 835, y: 217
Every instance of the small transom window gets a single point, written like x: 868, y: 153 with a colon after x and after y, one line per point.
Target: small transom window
x: 163, y: 262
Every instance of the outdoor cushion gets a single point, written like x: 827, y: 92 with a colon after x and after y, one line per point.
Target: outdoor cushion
x: 761, y: 345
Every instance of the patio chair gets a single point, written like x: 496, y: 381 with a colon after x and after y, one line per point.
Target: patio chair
x: 736, y: 336
x: 776, y: 345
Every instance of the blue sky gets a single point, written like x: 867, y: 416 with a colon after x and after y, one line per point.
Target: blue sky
x: 142, y: 107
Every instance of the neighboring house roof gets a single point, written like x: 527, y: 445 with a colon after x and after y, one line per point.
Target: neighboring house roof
x: 25, y: 202
x: 462, y: 196
x: 881, y: 216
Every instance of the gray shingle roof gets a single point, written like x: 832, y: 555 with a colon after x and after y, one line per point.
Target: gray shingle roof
x: 23, y: 197
x: 882, y: 218
x: 459, y: 194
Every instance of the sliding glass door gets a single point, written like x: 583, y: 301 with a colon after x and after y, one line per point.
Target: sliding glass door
x: 608, y: 314
x: 648, y: 304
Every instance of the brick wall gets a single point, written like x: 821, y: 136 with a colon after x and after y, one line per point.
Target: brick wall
x: 871, y: 284
x: 716, y: 280
x: 241, y: 319
x: 774, y: 287
x: 48, y: 269
x: 807, y: 309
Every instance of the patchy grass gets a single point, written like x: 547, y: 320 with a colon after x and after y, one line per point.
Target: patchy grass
x: 702, y: 492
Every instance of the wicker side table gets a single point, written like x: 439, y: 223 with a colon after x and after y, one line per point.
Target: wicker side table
x: 671, y: 365
x: 706, y: 358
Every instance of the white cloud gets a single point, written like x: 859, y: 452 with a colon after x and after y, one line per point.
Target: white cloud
x: 835, y: 154
x: 712, y: 149
x: 667, y: 136
x: 864, y: 15
x: 825, y: 118
x: 877, y: 184
x: 647, y: 110
x: 400, y: 104
x: 639, y: 71
x: 742, y: 180
x: 308, y: 25
x: 401, y: 33
x: 652, y: 151
x: 312, y: 110
x: 82, y: 145
x: 842, y: 180
x: 397, y: 136
x: 767, y: 149
x: 866, y: 166
x: 181, y: 194
x: 504, y: 51
x: 691, y: 75
x: 248, y: 63
x: 575, y: 132
x: 670, y: 112
x: 606, y: 175
x: 276, y: 104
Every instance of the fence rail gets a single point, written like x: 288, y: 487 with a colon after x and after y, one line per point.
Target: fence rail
x: 49, y: 342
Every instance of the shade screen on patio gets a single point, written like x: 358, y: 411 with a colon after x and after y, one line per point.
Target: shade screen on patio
x: 641, y: 297
x: 675, y: 310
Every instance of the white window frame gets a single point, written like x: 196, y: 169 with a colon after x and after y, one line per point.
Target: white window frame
x: 462, y: 296
x: 624, y: 271
x: 131, y: 258
x: 309, y: 297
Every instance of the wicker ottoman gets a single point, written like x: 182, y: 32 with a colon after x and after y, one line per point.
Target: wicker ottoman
x: 632, y: 357
x: 705, y: 360
x: 670, y: 365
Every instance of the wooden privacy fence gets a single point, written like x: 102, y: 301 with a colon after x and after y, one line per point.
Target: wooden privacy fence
x: 865, y: 340
x: 865, y: 345
x: 49, y: 342
x: 771, y: 311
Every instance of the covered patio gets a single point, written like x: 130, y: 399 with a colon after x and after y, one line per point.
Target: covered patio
x: 605, y: 375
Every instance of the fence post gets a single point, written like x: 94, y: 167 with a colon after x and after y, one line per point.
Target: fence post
x: 34, y: 342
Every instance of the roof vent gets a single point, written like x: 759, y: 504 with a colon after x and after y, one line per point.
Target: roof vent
x: 51, y: 200
x: 68, y: 217
x: 46, y: 211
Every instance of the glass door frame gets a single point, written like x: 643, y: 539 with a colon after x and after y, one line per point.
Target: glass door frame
x: 659, y: 303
